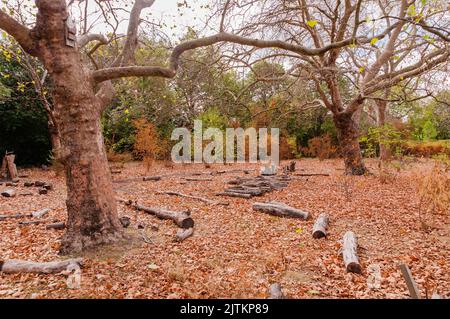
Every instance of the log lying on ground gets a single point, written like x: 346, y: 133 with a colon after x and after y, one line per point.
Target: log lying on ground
x: 232, y: 194
x: 182, y: 219
x: 40, y: 213
x: 151, y: 178
x: 31, y: 222
x: 202, y: 199
x: 280, y: 210
x: 349, y: 253
x: 253, y: 191
x: 320, y: 226
x: 16, y: 216
x: 9, y: 192
x: 183, y: 233
x: 311, y: 174
x: 197, y: 179
x: 21, y: 266
x: 57, y: 226
x: 410, y: 282
x: 275, y: 292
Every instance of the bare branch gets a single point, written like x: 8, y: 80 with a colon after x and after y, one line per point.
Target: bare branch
x: 19, y: 32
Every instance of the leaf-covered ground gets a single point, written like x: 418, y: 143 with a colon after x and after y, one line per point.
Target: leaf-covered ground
x: 235, y: 251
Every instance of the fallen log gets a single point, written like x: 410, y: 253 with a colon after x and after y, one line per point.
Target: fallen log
x: 320, y: 226
x: 182, y: 219
x: 202, y: 199
x: 151, y: 178
x: 280, y: 210
x: 349, y: 253
x: 410, y: 282
x: 57, y: 226
x: 197, y: 179
x: 12, y: 266
x: 9, y: 192
x: 311, y: 174
x: 182, y: 234
x: 25, y: 194
x: 11, y: 184
x: 275, y: 292
x: 31, y: 222
x: 40, y: 213
x: 233, y: 194
x: 254, y: 191
x: 39, y: 183
x: 16, y: 216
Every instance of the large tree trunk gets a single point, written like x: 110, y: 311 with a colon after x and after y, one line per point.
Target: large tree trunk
x: 348, y: 135
x: 91, y: 207
x: 55, y: 140
x: 381, y: 120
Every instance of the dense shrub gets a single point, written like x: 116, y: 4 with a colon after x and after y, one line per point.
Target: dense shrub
x: 23, y: 120
x: 426, y: 149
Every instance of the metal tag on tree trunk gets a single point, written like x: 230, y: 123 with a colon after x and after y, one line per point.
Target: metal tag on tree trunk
x: 71, y: 32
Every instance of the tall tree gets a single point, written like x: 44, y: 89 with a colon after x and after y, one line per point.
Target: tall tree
x: 412, y: 34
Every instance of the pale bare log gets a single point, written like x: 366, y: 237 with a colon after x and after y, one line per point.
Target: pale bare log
x: 350, y: 254
x: 280, y: 210
x: 275, y: 291
x: 21, y: 266
x: 320, y: 226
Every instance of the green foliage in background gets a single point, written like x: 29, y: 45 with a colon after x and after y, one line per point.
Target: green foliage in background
x: 23, y: 120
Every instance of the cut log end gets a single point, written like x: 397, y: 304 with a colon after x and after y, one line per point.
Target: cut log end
x: 354, y: 268
x: 320, y: 226
x: 276, y: 292
x: 349, y: 253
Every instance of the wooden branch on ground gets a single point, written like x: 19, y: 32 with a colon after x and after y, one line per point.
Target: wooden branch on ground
x: 349, y: 253
x: 12, y: 266
x: 31, y: 222
x: 183, y: 233
x: 197, y: 179
x: 181, y: 219
x: 280, y: 210
x: 40, y: 213
x: 412, y: 286
x: 138, y: 179
x: 151, y: 178
x: 232, y: 194
x: 311, y: 174
x: 320, y: 226
x: 275, y: 292
x: 16, y: 216
x: 202, y: 199
x: 57, y: 226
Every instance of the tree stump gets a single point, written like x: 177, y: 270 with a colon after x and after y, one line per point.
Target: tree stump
x: 8, y: 168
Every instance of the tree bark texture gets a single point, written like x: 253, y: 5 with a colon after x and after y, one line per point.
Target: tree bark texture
x: 348, y: 135
x: 91, y: 208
